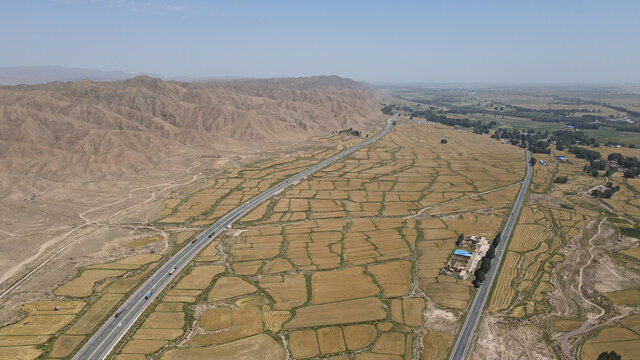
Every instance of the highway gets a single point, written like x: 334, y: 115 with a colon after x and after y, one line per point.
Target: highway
x: 107, y: 337
x: 473, y: 315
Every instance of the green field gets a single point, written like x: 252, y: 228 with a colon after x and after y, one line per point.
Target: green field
x: 605, y: 134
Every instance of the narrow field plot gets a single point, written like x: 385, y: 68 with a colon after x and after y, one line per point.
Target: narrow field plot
x: 527, y: 237
x: 255, y: 347
x: 98, y: 311
x: 64, y: 345
x: 37, y: 325
x: 129, y: 262
x: 503, y: 292
x: 135, y: 243
x: 8, y: 340
x: 82, y: 286
x: 20, y: 353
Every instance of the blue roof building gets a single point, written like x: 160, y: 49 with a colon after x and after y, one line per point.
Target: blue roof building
x: 462, y: 253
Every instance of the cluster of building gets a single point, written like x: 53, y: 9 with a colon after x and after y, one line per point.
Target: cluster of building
x: 466, y: 257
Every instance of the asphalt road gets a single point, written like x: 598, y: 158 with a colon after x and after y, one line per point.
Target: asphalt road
x: 105, y: 339
x: 471, y: 322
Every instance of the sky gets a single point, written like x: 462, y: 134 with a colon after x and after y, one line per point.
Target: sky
x: 440, y: 41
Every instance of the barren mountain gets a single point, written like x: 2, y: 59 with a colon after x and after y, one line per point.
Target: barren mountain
x: 73, y: 154
x: 136, y: 123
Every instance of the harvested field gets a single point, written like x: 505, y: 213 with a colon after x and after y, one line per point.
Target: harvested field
x: 624, y: 297
x: 164, y: 320
x: 19, y: 353
x: 183, y: 236
x: 436, y: 344
x: 315, y: 263
x: 566, y: 324
x: 303, y: 344
x: 633, y: 252
x: 96, y: 313
x: 229, y: 287
x: 332, y: 286
x: 394, y: 277
x: 359, y: 336
x: 288, y: 291
x: 344, y: 312
x: 82, y: 286
x: 200, y: 277
x: 64, y: 345
x: 135, y: 243
x: 254, y: 347
x: 503, y: 292
x: 216, y: 319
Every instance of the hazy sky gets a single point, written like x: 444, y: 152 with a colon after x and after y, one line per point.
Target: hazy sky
x: 391, y: 41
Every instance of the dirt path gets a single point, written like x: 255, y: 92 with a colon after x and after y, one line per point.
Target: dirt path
x: 587, y: 325
x: 459, y: 198
x: 101, y: 222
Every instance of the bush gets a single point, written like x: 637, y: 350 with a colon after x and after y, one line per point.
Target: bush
x: 612, y: 355
x: 561, y: 180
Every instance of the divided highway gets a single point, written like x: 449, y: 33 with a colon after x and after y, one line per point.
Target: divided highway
x: 471, y: 322
x: 105, y: 339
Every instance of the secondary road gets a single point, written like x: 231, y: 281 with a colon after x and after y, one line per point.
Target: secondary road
x: 471, y: 322
x: 105, y: 339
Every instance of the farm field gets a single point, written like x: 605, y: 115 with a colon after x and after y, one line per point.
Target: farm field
x: 341, y: 264
x: 83, y: 302
x: 550, y: 247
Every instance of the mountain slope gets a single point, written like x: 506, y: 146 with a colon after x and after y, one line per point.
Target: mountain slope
x: 65, y: 129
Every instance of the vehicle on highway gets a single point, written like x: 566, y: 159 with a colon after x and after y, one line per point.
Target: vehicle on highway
x: 193, y: 241
x: 172, y: 271
x: 148, y: 294
x: 117, y: 315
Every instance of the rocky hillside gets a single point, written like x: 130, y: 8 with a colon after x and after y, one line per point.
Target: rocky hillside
x: 138, y: 122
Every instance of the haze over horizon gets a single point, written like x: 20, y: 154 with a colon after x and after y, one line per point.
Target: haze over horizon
x: 408, y: 42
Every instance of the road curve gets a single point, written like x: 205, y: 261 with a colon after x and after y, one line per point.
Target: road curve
x: 475, y: 311
x: 105, y: 339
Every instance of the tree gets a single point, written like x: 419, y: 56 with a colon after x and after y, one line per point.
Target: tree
x: 491, y: 253
x: 612, y: 355
x: 496, y: 240
x: 460, y: 238
x: 594, y: 173
x: 532, y: 161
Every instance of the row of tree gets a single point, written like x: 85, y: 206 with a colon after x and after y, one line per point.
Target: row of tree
x: 350, y: 132
x: 485, y: 264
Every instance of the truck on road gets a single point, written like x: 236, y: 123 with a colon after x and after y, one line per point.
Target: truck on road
x: 148, y: 294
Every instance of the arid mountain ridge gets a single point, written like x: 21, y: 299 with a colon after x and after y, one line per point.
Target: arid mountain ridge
x: 62, y: 129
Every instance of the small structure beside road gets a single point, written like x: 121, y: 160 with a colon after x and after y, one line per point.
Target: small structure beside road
x: 466, y: 258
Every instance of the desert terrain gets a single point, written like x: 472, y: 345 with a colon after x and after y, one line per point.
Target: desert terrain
x: 87, y: 162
